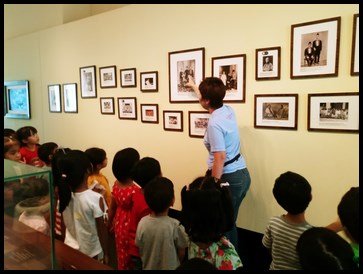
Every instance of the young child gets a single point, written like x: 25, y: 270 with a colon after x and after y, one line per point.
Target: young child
x: 46, y: 152
x: 123, y: 191
x: 161, y: 240
x: 29, y: 141
x: 83, y: 209
x: 12, y: 149
x: 293, y: 193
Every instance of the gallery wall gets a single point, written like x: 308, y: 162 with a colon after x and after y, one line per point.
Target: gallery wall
x: 141, y: 36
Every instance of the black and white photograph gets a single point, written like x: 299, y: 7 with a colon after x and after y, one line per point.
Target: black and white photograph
x: 354, y: 69
x: 149, y: 81
x: 127, y: 108
x: 315, y: 51
x: 70, y: 101
x: 128, y: 77
x: 88, y: 82
x: 275, y: 111
x: 149, y: 113
x: 54, y: 97
x: 198, y: 123
x: 107, y: 105
x: 173, y: 120
x: 108, y: 77
x: 268, y: 63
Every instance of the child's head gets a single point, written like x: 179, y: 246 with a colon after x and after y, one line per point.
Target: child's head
x: 145, y: 170
x: 292, y: 192
x: 123, y: 162
x: 320, y: 248
x: 159, y: 194
x: 27, y: 135
x: 46, y: 151
x: 11, y: 149
x: 9, y: 132
x: 348, y: 212
x: 97, y: 157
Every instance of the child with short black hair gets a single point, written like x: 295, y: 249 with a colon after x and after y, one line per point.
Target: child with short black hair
x: 161, y: 239
x: 293, y: 193
x: 46, y: 152
x: 29, y: 141
x: 12, y: 149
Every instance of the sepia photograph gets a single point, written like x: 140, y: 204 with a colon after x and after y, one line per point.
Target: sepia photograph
x: 70, y: 102
x: 268, y: 63
x: 107, y: 105
x: 54, y: 97
x: 149, y: 113
x: 127, y: 108
x: 108, y: 77
x: 149, y: 81
x: 198, y: 123
x: 88, y: 82
x: 173, y: 120
x: 128, y: 77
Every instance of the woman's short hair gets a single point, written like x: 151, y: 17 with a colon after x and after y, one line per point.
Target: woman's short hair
x: 213, y: 89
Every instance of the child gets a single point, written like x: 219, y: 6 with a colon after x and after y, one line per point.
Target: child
x: 29, y: 141
x: 96, y: 180
x: 9, y: 132
x: 320, y: 248
x: 83, y: 209
x: 46, y: 152
x: 161, y: 240
x: 12, y: 149
x: 123, y: 191
x: 293, y: 193
x: 207, y: 211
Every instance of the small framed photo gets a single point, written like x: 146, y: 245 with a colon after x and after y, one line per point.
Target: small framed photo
x: 354, y: 69
x: 149, y: 81
x: 127, y: 108
x: 276, y: 111
x: 70, y: 98
x: 333, y: 112
x: 173, y: 120
x: 128, y: 77
x: 107, y: 105
x: 17, y: 99
x: 315, y: 49
x: 268, y: 63
x: 232, y: 71
x: 185, y: 67
x: 108, y: 77
x: 54, y: 98
x: 88, y: 82
x: 198, y: 123
x: 149, y: 113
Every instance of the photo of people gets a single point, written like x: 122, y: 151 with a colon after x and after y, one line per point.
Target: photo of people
x: 149, y: 82
x: 149, y: 112
x: 275, y: 111
x: 201, y: 123
x: 228, y: 75
x: 107, y: 76
x: 314, y: 49
x: 267, y: 63
x: 334, y: 111
x: 173, y: 120
x: 126, y: 107
x: 185, y: 70
x: 107, y: 106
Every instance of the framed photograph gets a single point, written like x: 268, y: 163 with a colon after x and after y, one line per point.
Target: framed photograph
x: 354, y: 69
x: 315, y: 49
x: 127, y: 108
x: 54, y: 98
x: 88, y: 82
x: 70, y: 102
x: 198, y: 123
x: 108, y: 77
x: 333, y: 112
x: 128, y: 77
x: 232, y: 71
x: 149, y: 113
x: 107, y: 105
x: 149, y: 81
x: 17, y: 99
x: 185, y: 67
x: 268, y: 63
x: 276, y: 111
x: 173, y: 120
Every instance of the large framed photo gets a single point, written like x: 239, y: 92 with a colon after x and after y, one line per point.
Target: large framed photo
x: 70, y: 98
x: 108, y: 77
x: 88, y: 82
x: 173, y: 120
x: 268, y: 63
x: 354, y: 69
x: 107, y: 105
x: 232, y: 71
x: 315, y: 49
x: 149, y: 113
x: 276, y: 111
x: 185, y: 67
x: 17, y: 99
x: 149, y: 81
x: 54, y: 98
x: 198, y: 123
x: 127, y: 108
x: 334, y: 112
x: 128, y: 77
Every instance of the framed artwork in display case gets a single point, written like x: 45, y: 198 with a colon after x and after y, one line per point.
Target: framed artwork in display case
x: 54, y: 98
x: 198, y: 123
x: 149, y: 113
x: 315, y: 49
x: 354, y: 69
x: 173, y: 120
x: 268, y: 63
x: 17, y: 99
x: 107, y: 105
x: 127, y: 108
x: 88, y: 82
x: 128, y: 77
x: 149, y: 81
x: 70, y: 98
x: 108, y: 77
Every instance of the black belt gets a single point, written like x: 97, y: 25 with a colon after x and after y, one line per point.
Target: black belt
x: 235, y: 158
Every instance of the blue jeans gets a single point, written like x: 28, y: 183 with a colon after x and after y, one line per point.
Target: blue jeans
x: 239, y: 183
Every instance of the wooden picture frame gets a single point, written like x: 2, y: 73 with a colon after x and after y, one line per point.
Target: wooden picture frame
x: 127, y: 108
x: 107, y: 105
x: 149, y: 81
x: 173, y: 120
x: 149, y: 113
x: 70, y: 102
x: 334, y: 112
x: 54, y: 98
x: 108, y: 77
x: 268, y: 64
x: 276, y: 111
x: 198, y: 123
x: 17, y: 99
x: 231, y: 70
x: 354, y: 69
x: 88, y: 83
x: 128, y: 77
x: 315, y: 49
x: 185, y: 66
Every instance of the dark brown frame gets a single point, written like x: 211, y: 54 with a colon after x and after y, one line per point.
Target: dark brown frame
x: 157, y: 113
x: 60, y: 98
x: 94, y: 81
x: 118, y: 103
x: 243, y: 56
x: 156, y: 81
x: 329, y: 95
x: 64, y: 98
x: 352, y: 72
x: 133, y: 70
x: 115, y: 74
x: 296, y: 96
x: 181, y: 122
x: 336, y: 69
x: 278, y: 64
x: 189, y: 122
x: 113, y: 105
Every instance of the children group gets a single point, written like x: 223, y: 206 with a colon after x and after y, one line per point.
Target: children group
x: 133, y: 215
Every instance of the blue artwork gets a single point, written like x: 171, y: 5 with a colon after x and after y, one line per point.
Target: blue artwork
x: 18, y: 100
